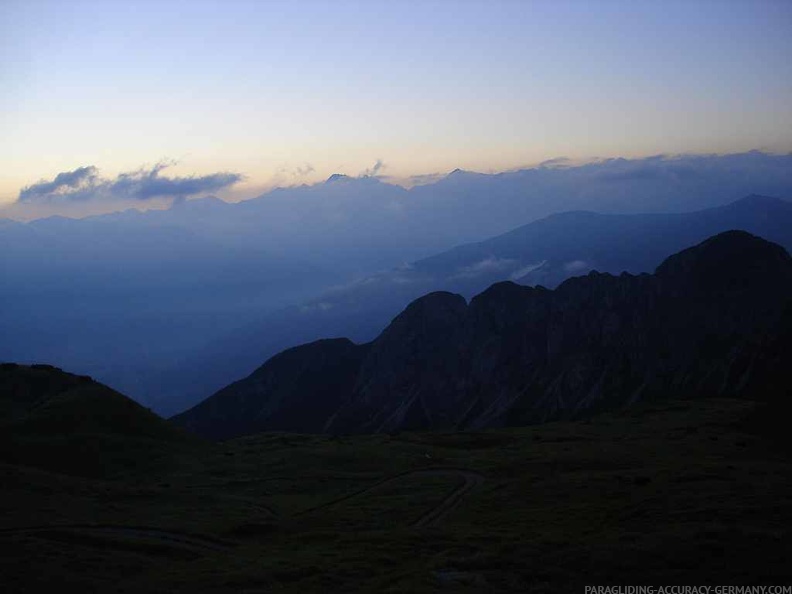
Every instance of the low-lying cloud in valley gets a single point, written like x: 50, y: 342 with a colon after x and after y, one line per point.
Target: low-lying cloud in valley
x: 576, y: 266
x: 485, y: 266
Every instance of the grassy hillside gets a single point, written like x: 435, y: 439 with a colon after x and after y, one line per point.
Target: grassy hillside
x: 54, y: 420
x: 677, y: 492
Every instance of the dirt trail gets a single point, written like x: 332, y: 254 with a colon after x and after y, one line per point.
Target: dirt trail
x: 470, y: 480
x: 433, y: 516
x: 201, y: 544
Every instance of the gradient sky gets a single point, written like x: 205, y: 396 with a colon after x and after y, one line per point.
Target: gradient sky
x: 287, y: 92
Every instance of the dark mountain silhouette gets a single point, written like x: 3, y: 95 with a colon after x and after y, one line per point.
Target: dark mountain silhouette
x: 71, y: 424
x: 296, y: 390
x: 713, y: 320
x: 544, y: 252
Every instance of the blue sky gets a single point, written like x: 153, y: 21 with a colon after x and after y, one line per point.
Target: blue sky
x: 290, y: 92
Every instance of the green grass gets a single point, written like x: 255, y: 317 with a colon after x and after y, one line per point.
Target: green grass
x: 675, y: 492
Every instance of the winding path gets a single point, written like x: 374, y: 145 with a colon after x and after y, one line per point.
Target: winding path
x: 201, y: 544
x: 470, y: 479
x: 433, y: 516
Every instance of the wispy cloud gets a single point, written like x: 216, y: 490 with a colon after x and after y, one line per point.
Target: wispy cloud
x: 288, y: 171
x: 521, y: 272
x: 416, y: 180
x: 306, y: 169
x: 85, y: 184
x: 650, y: 169
x: 486, y: 266
x: 288, y: 175
x: 556, y: 162
x: 576, y: 266
x: 374, y: 170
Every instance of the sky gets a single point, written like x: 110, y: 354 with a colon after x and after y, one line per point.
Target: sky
x: 236, y: 97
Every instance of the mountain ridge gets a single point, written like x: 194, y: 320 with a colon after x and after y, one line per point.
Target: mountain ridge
x: 543, y: 252
x: 517, y: 355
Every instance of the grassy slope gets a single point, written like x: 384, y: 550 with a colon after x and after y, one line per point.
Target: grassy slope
x: 678, y: 492
x: 55, y: 420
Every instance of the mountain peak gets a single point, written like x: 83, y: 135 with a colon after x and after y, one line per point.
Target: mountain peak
x: 434, y: 303
x: 759, y: 200
x: 205, y: 203
x: 464, y: 176
x: 728, y: 259
x: 338, y: 177
x: 434, y: 313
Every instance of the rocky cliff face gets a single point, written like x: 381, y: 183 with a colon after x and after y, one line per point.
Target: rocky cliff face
x: 712, y: 321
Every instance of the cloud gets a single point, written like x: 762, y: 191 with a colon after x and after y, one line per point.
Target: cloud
x: 576, y: 266
x: 295, y: 172
x: 287, y: 175
x: 146, y: 184
x: 373, y: 171
x: 660, y: 183
x: 526, y: 269
x: 423, y: 179
x: 649, y: 169
x: 485, y: 266
x: 320, y: 306
x: 85, y: 184
x: 66, y: 182
x: 556, y: 162
x: 304, y: 170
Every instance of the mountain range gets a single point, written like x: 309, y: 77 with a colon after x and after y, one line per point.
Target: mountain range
x: 546, y: 252
x: 170, y: 305
x: 713, y: 320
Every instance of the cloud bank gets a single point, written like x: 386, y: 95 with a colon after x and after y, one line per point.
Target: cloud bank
x: 84, y: 184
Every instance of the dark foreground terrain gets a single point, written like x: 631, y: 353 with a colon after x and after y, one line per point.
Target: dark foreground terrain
x: 682, y: 491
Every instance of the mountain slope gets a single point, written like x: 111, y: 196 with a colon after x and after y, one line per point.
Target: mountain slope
x: 571, y: 243
x: 296, y: 390
x: 71, y: 424
x: 713, y: 320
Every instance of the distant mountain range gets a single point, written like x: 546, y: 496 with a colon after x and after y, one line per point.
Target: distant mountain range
x: 713, y: 320
x: 168, y: 306
x: 551, y: 250
x: 545, y: 252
